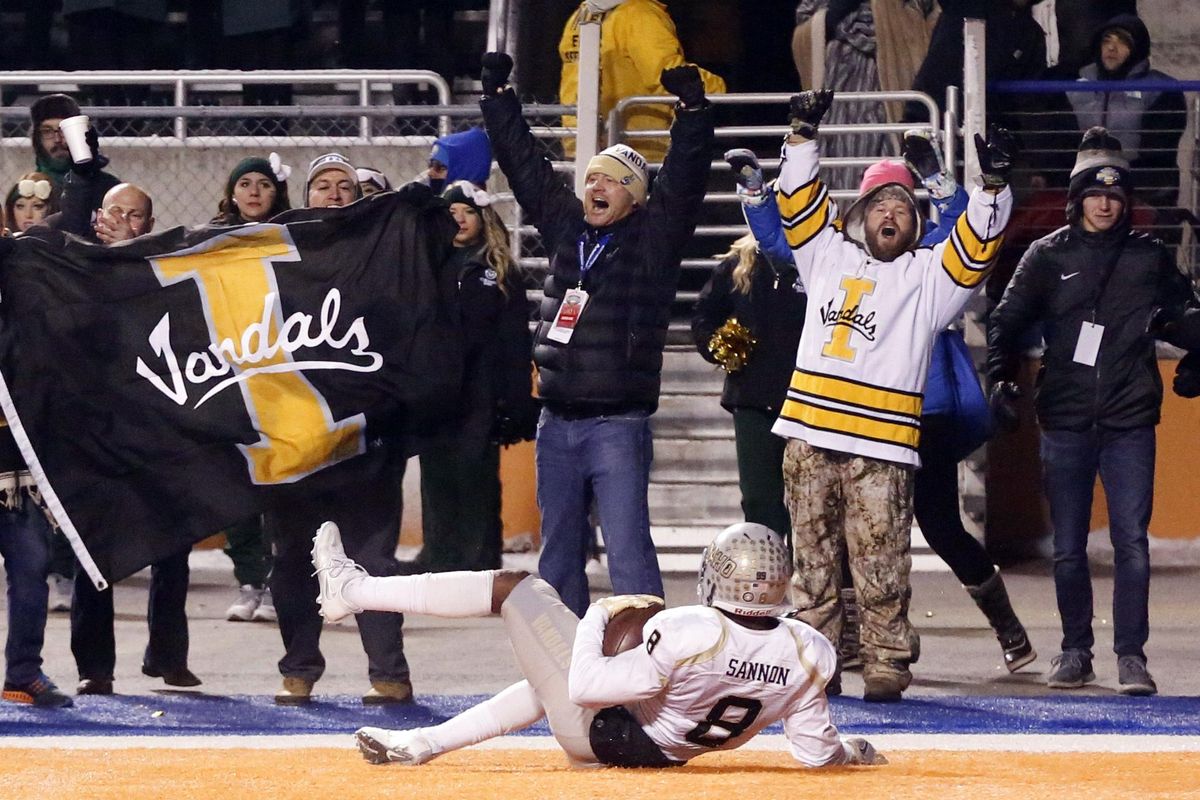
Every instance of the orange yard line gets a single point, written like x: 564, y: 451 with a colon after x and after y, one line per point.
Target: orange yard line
x: 340, y: 774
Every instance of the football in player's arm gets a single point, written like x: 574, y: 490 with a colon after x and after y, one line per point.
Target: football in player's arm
x: 707, y: 677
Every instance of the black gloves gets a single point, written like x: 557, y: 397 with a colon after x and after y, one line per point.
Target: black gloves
x: 684, y: 82
x: 516, y: 423
x: 920, y: 154
x: 996, y: 155
x: 494, y: 76
x: 746, y: 171
x: 90, y: 169
x: 806, y: 110
x: 1187, y: 376
x: 1175, y: 324
x: 1003, y: 405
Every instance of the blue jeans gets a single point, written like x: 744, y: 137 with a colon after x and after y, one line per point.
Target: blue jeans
x: 606, y: 458
x: 25, y: 545
x: 1125, y: 462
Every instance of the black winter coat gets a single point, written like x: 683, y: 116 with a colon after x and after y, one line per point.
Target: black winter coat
x: 498, y: 349
x: 773, y: 310
x: 614, y: 359
x: 1057, y: 283
x: 82, y: 194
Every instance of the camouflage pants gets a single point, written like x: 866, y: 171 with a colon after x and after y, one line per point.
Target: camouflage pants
x: 864, y: 505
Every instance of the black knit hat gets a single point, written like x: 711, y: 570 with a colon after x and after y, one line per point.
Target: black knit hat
x: 53, y: 106
x: 468, y: 193
x: 1100, y: 168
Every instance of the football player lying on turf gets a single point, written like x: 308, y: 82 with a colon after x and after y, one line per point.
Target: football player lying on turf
x: 708, y: 677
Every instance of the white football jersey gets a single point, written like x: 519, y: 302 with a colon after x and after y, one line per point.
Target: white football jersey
x: 859, y: 381
x: 702, y: 682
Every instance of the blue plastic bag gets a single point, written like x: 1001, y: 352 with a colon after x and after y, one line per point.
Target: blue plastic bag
x: 964, y: 399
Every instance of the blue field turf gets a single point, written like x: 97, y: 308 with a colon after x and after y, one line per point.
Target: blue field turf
x: 190, y: 713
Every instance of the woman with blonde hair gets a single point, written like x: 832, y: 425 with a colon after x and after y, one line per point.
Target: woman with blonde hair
x: 460, y: 482
x: 30, y: 200
x: 747, y: 320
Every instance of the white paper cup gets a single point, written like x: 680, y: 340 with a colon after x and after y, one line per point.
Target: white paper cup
x: 74, y: 130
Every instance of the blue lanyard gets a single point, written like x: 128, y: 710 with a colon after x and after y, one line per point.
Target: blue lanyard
x: 586, y: 263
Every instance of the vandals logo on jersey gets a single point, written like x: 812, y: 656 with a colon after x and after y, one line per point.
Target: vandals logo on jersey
x: 848, y: 318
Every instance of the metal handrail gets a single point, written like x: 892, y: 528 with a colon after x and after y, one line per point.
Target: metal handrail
x: 501, y: 26
x: 189, y: 113
x: 185, y: 80
x: 617, y: 115
x: 615, y: 134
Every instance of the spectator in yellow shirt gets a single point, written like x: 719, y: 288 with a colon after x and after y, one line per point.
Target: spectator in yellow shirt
x: 637, y: 42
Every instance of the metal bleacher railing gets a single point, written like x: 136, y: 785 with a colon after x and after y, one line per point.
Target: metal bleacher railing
x: 1168, y: 190
x: 716, y: 230
x: 182, y: 150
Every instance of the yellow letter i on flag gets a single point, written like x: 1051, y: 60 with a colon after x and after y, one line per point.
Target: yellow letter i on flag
x: 236, y: 279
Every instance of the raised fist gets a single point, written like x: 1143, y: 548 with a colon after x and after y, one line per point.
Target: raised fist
x: 496, y: 69
x: 806, y: 110
x: 746, y: 171
x: 1003, y: 406
x: 684, y: 82
x: 924, y: 160
x: 996, y: 155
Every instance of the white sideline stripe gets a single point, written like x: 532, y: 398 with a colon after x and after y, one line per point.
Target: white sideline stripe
x: 1025, y: 743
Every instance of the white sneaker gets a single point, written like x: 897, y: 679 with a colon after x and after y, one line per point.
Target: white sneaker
x: 246, y: 604
x: 266, y: 608
x: 381, y: 746
x: 334, y: 570
x: 62, y: 592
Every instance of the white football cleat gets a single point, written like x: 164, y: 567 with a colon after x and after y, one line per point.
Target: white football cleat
x: 334, y: 570
x: 381, y: 746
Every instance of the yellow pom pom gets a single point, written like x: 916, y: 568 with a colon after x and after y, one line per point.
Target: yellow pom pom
x: 731, y: 345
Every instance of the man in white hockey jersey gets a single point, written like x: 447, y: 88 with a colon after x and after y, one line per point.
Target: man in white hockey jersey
x: 853, y: 409
x: 707, y: 677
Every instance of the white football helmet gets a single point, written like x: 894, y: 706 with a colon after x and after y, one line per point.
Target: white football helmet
x: 745, y: 571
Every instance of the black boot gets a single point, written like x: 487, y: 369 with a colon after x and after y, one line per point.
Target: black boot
x: 992, y: 599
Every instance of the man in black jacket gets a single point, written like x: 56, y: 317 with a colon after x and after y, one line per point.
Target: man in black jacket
x: 1094, y: 285
x: 614, y: 265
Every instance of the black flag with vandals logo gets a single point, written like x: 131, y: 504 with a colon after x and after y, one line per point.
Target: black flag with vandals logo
x: 161, y: 389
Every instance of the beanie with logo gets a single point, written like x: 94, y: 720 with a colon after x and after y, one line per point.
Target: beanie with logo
x: 624, y: 165
x: 1100, y: 168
